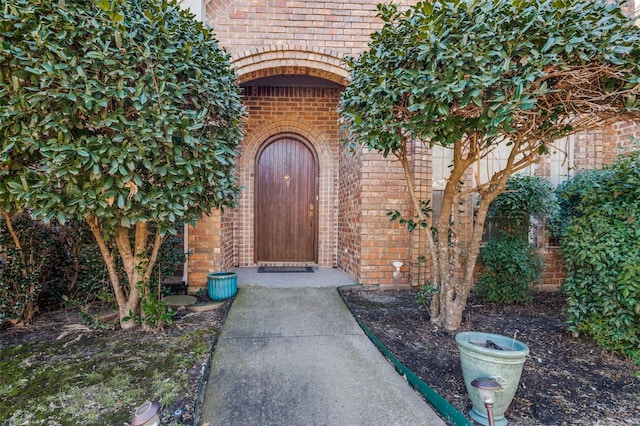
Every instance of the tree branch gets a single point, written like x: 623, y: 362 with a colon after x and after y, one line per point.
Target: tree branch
x: 121, y: 297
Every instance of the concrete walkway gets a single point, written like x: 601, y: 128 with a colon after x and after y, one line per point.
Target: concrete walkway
x: 291, y: 355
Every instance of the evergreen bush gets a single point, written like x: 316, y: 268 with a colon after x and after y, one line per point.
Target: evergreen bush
x: 569, y: 196
x: 511, y: 266
x: 524, y: 197
x: 61, y: 264
x: 601, y: 248
x: 22, y: 266
x: 77, y: 267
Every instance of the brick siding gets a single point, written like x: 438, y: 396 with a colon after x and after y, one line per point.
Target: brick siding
x: 309, y: 38
x: 349, y: 212
x: 382, y: 242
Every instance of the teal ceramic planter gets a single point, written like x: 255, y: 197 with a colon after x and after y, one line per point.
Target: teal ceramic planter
x: 503, y: 365
x: 222, y: 285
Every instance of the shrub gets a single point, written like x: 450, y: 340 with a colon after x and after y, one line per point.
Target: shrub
x: 78, y: 267
x: 511, y: 267
x: 524, y: 197
x: 601, y: 250
x: 53, y: 264
x: 63, y: 262
x: 23, y: 263
x: 86, y: 278
x: 569, y: 196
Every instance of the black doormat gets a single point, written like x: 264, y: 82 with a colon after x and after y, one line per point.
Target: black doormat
x: 280, y: 269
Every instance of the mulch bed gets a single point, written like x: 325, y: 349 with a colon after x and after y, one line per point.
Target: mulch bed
x: 566, y: 380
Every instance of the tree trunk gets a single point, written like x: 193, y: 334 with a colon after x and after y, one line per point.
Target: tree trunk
x: 157, y: 243
x: 454, y: 252
x: 450, y: 251
x: 16, y: 241
x: 135, y: 264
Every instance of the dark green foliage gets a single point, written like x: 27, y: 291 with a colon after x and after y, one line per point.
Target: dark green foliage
x: 122, y: 110
x: 447, y: 69
x: 415, y: 222
x: 156, y: 312
x: 425, y: 294
x: 82, y: 267
x: 66, y: 260
x: 21, y: 275
x: 61, y: 261
x: 511, y: 266
x: 77, y: 267
x: 524, y: 197
x: 601, y: 249
x: 569, y: 196
x: 170, y: 256
x: 17, y: 292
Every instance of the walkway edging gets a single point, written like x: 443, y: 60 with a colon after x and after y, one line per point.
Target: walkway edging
x: 441, y: 405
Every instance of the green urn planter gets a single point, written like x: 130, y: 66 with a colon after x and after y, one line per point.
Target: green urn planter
x: 491, y: 356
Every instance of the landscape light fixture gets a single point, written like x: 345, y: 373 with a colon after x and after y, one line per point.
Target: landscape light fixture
x: 146, y: 414
x: 487, y: 389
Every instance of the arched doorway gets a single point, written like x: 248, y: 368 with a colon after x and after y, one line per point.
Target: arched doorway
x: 286, y: 201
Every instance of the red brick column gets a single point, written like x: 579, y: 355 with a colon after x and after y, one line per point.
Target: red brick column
x: 383, y: 242
x: 204, y: 250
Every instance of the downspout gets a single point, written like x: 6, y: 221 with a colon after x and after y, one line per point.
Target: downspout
x: 185, y: 248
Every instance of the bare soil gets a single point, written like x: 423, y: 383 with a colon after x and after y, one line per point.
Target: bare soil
x: 566, y: 380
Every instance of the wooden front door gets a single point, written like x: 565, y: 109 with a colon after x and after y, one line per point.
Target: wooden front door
x: 286, y: 201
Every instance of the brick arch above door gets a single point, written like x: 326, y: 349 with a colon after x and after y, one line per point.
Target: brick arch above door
x: 290, y: 60
x: 327, y: 164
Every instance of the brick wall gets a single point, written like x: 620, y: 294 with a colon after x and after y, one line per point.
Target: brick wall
x: 227, y: 241
x: 204, y: 250
x: 210, y: 248
x: 349, y: 212
x: 246, y: 25
x: 307, y: 38
x: 623, y: 135
x: 554, y: 272
x: 293, y: 37
x: 382, y: 242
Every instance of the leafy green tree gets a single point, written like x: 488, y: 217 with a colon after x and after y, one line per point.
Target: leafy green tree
x: 472, y: 75
x: 124, y: 114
